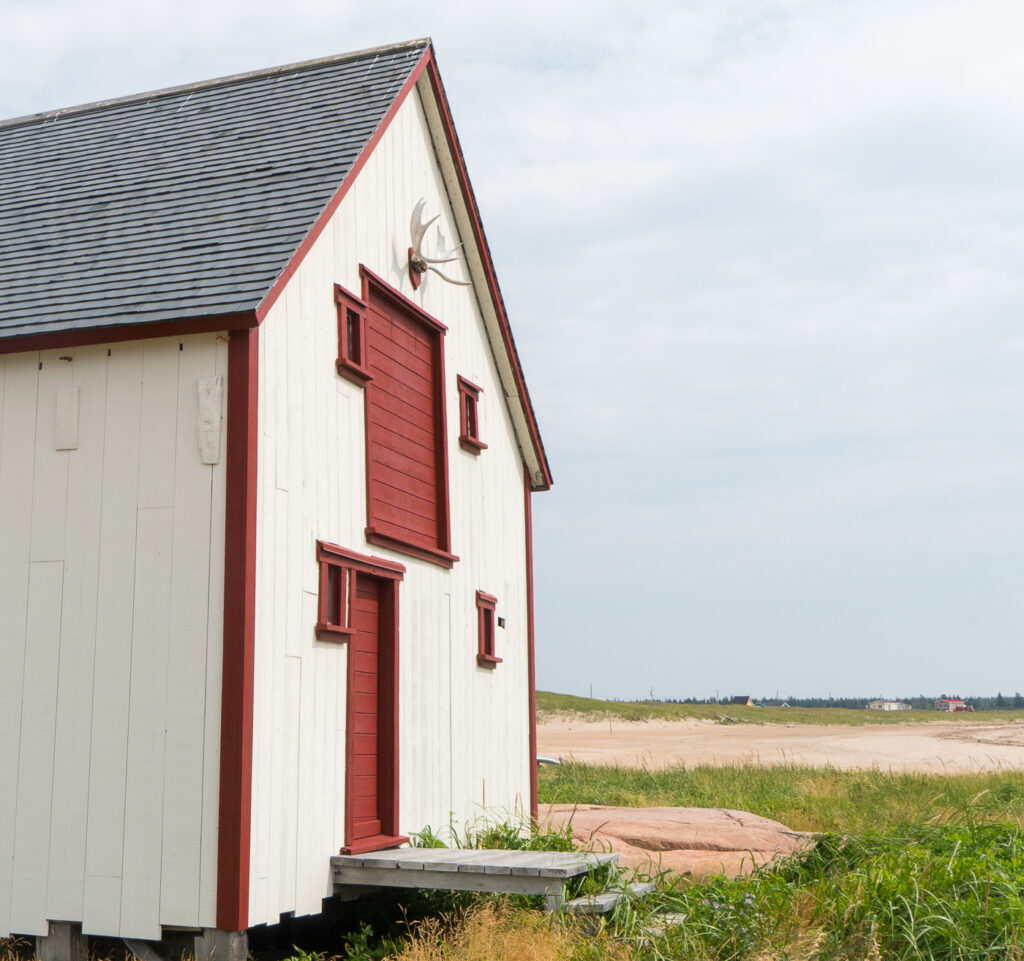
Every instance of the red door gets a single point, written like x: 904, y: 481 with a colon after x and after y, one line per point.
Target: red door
x: 401, y: 404
x: 364, y: 714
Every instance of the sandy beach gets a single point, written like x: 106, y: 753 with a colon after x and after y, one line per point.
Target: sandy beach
x: 934, y: 747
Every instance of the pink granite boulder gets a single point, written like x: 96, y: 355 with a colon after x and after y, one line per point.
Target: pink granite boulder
x: 694, y: 841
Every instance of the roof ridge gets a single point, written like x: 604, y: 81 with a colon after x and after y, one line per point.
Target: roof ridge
x: 216, y: 82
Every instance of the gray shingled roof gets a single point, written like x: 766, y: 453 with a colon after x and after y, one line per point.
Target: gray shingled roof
x: 181, y: 203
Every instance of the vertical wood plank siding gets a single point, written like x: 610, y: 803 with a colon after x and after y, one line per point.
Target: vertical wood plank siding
x: 464, y: 731
x: 110, y: 706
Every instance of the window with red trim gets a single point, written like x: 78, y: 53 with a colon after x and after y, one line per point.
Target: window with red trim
x: 338, y: 570
x: 351, y: 362
x: 334, y: 611
x: 469, y: 417
x: 486, y: 605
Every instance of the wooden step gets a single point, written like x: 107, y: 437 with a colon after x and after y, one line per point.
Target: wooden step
x: 605, y: 902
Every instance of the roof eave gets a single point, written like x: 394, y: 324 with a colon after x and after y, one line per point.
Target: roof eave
x: 453, y: 166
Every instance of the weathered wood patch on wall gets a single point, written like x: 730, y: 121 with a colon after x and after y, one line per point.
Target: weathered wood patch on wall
x: 211, y: 393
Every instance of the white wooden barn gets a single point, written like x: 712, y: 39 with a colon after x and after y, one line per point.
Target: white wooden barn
x: 265, y: 477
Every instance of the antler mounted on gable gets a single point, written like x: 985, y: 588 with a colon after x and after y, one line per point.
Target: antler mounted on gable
x: 419, y: 263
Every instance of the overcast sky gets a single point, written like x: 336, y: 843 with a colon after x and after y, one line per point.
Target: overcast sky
x: 763, y: 261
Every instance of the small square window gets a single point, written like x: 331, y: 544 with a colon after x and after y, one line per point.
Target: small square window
x: 469, y: 417
x: 337, y: 582
x: 486, y: 605
x: 351, y: 362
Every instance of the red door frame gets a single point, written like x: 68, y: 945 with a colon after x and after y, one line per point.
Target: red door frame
x: 390, y: 574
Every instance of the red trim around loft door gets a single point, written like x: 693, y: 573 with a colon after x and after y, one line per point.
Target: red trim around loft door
x: 530, y: 661
x: 339, y: 194
x: 239, y: 634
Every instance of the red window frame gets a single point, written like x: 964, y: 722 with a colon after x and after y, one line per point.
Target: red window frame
x: 486, y: 605
x: 469, y: 416
x: 351, y: 363
x: 338, y: 569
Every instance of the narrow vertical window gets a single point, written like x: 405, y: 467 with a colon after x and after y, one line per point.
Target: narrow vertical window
x: 334, y: 579
x: 351, y: 363
x: 334, y: 608
x: 486, y: 605
x: 353, y: 337
x: 469, y: 417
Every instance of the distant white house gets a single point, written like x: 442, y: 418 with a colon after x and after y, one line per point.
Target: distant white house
x: 884, y: 705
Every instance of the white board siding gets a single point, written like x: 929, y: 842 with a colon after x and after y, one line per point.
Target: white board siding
x: 464, y: 730
x: 17, y: 443
x: 35, y: 769
x: 68, y: 820
x: 110, y: 635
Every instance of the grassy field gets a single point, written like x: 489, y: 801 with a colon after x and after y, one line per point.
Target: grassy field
x: 909, y: 868
x: 549, y: 704
x: 803, y: 798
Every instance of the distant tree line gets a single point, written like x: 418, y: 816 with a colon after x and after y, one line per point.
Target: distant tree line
x: 921, y: 702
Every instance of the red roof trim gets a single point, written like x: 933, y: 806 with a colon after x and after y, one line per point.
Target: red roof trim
x: 339, y: 194
x: 116, y: 334
x: 485, y: 256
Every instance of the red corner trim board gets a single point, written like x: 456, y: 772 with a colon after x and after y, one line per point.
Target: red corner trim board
x: 239, y: 634
x: 530, y: 662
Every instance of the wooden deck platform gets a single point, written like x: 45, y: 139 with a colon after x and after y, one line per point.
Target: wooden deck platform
x: 512, y: 872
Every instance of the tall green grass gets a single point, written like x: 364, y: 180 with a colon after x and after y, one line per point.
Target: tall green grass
x: 952, y: 892
x: 924, y: 892
x: 803, y: 798
x: 911, y: 867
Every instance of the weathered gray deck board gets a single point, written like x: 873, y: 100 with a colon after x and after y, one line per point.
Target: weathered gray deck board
x: 607, y: 901
x: 513, y: 872
x: 551, y: 864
